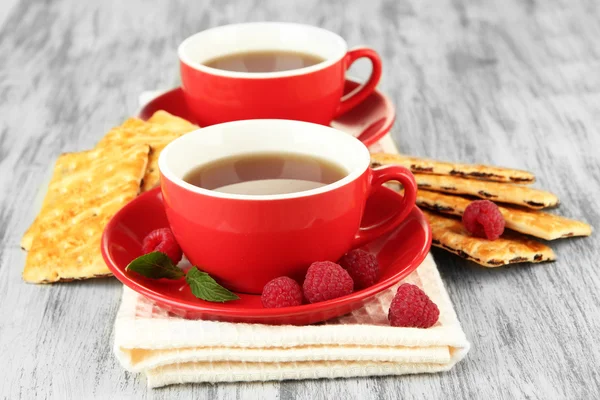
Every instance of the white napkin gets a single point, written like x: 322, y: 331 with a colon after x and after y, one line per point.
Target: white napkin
x: 169, y: 349
x: 172, y: 350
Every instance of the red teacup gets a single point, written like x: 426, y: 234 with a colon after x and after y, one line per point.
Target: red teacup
x: 312, y: 94
x: 246, y: 240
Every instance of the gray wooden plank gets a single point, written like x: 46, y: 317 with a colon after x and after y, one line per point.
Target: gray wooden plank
x: 510, y: 82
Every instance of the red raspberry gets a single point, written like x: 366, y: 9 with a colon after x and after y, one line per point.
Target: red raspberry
x: 411, y: 307
x: 483, y: 218
x: 281, y: 292
x: 162, y: 240
x: 326, y: 280
x: 362, y: 266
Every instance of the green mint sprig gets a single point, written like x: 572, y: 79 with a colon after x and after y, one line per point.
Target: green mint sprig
x: 157, y: 265
x: 204, y: 287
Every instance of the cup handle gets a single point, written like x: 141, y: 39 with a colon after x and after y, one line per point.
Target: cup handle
x: 380, y: 176
x: 360, y: 93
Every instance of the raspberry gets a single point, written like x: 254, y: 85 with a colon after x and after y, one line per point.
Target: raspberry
x: 281, y: 292
x: 326, y: 280
x: 483, y: 218
x: 162, y: 240
x: 362, y: 266
x: 411, y: 307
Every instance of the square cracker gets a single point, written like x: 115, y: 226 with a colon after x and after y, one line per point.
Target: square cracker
x: 449, y: 234
x: 119, y: 136
x: 86, y: 190
x: 161, y: 129
x: 470, y: 171
x: 29, y: 235
x: 535, y: 223
x: 494, y: 191
x: 172, y: 122
x: 135, y: 131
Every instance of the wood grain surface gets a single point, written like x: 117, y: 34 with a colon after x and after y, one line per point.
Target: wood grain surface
x: 508, y: 82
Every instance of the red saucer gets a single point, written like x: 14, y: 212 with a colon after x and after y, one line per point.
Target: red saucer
x: 369, y: 121
x: 399, y: 253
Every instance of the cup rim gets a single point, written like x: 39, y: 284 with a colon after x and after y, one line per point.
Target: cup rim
x: 185, y: 59
x: 350, y: 177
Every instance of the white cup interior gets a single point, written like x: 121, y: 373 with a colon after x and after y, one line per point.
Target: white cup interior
x: 257, y: 136
x: 212, y: 43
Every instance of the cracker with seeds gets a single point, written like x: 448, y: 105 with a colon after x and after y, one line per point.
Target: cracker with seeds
x: 172, y: 122
x: 135, y: 131
x: 86, y: 190
x: 448, y: 233
x: 470, y: 171
x: 535, y: 223
x: 495, y: 191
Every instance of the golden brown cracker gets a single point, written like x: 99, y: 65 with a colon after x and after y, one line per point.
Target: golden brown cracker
x: 535, y: 223
x: 448, y: 233
x: 135, y: 131
x: 30, y: 233
x: 495, y: 191
x: 470, y: 171
x: 161, y: 129
x: 172, y: 122
x: 27, y: 238
x: 86, y: 190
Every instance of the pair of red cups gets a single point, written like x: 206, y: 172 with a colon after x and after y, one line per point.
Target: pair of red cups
x: 244, y: 241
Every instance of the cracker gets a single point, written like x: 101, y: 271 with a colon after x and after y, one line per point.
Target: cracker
x: 135, y: 131
x: 499, y: 192
x: 160, y: 130
x: 152, y: 175
x: 448, y: 233
x: 470, y: 171
x: 172, y: 122
x: 30, y: 233
x: 535, y: 223
x: 86, y: 190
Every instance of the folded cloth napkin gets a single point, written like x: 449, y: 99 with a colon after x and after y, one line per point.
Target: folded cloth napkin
x: 170, y: 350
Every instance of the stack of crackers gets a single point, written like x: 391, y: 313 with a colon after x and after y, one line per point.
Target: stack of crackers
x: 446, y: 189
x: 87, y: 188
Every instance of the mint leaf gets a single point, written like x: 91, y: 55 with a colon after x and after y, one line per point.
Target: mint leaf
x: 155, y: 265
x: 204, y: 287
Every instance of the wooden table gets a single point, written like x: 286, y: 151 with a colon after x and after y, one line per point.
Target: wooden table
x: 508, y: 82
